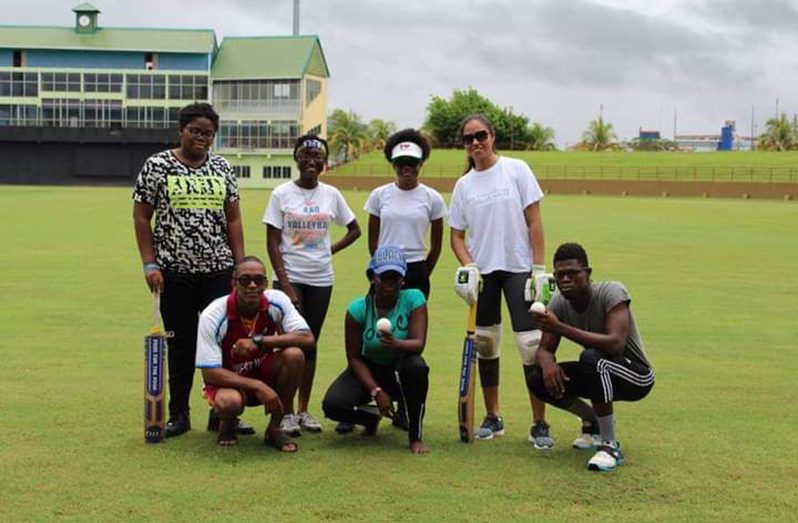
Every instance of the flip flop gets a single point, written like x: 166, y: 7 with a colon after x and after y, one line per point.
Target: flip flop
x: 227, y: 434
x: 280, y: 441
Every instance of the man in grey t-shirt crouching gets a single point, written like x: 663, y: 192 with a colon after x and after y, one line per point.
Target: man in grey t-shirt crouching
x: 613, y: 365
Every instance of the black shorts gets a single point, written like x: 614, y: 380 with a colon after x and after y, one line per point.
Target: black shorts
x: 489, y: 306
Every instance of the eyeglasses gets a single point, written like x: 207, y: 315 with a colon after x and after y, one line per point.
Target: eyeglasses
x: 246, y: 279
x: 196, y: 132
x: 569, y: 273
x: 479, y: 136
x: 407, y: 161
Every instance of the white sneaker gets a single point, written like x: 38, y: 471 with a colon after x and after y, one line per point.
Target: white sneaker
x: 308, y: 422
x: 607, y: 458
x: 290, y: 425
x: 587, y: 441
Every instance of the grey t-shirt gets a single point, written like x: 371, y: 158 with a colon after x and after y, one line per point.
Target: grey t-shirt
x: 605, y: 295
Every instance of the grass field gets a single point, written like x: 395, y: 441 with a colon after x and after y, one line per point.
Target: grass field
x: 711, y: 166
x: 714, y: 296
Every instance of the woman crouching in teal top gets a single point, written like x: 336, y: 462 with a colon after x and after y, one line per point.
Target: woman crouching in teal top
x: 385, y: 362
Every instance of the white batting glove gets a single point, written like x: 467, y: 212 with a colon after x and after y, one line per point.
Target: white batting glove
x: 540, y: 286
x: 466, y: 283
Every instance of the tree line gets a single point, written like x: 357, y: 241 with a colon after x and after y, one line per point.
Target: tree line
x: 349, y: 136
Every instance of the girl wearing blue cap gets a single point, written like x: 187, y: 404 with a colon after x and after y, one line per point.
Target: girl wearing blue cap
x: 385, y: 362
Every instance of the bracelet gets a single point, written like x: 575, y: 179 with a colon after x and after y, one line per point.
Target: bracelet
x: 374, y: 392
x: 151, y: 266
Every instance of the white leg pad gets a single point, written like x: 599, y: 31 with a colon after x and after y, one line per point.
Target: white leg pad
x: 489, y: 342
x: 528, y: 343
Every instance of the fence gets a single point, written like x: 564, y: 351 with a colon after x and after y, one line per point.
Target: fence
x: 756, y: 174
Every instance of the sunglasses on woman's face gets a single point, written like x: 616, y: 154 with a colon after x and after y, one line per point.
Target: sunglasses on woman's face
x: 246, y: 279
x: 407, y: 161
x: 479, y: 136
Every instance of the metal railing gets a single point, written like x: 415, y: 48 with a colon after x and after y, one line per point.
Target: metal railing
x: 760, y: 174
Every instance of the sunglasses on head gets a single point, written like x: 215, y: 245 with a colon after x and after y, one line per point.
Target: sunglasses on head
x: 246, y: 279
x: 479, y: 136
x: 407, y: 161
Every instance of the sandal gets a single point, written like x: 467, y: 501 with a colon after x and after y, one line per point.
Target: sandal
x: 227, y: 434
x: 280, y: 441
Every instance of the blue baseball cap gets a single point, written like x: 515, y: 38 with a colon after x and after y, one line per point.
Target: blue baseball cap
x: 387, y: 258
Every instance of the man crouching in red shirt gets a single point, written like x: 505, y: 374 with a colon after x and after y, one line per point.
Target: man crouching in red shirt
x: 249, y: 348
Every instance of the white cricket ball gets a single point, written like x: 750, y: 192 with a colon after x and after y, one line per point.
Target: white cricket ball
x: 384, y: 325
x: 538, y: 307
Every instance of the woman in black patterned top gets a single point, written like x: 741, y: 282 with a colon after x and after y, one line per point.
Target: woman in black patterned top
x: 197, y: 238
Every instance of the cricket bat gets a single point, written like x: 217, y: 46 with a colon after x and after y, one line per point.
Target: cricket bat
x: 154, y: 349
x: 465, y: 401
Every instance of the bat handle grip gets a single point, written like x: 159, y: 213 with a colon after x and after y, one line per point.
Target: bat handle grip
x: 156, y: 310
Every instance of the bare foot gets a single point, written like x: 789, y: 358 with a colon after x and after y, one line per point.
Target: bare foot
x: 279, y: 440
x: 227, y: 435
x: 418, y: 447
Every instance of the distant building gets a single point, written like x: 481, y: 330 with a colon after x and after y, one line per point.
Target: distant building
x: 727, y: 140
x: 87, y: 104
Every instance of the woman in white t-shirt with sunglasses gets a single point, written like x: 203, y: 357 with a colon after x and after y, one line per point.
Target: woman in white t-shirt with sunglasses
x: 496, y: 204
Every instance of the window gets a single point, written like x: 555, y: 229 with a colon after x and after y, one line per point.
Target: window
x: 312, y: 90
x: 188, y: 87
x: 19, y: 115
x: 146, y: 86
x: 19, y: 84
x: 102, y: 83
x: 146, y: 117
x: 241, y: 171
x: 258, y: 96
x: 257, y: 134
x: 19, y: 58
x: 277, y: 171
x: 61, y: 82
x: 150, y: 61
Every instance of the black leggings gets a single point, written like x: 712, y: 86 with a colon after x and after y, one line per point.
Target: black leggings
x: 313, y: 304
x: 596, y: 378
x: 417, y: 277
x: 183, y: 299
x: 408, y: 380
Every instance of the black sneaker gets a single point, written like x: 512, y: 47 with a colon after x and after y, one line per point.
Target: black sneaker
x: 178, y: 424
x: 491, y: 426
x: 540, y: 437
x: 344, y: 427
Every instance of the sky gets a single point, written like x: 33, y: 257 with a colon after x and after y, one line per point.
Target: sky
x: 649, y: 64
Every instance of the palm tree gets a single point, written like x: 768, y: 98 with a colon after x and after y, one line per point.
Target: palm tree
x: 347, y: 134
x: 379, y: 131
x: 599, y: 135
x: 541, y: 138
x: 779, y: 136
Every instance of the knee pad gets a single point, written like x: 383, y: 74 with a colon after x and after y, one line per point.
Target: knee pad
x: 527, y: 343
x: 310, y: 354
x: 489, y: 340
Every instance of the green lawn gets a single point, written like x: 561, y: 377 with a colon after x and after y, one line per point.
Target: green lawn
x: 710, y: 166
x: 713, y: 292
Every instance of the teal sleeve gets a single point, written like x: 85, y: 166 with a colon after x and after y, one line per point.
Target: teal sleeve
x: 357, y: 309
x: 415, y: 299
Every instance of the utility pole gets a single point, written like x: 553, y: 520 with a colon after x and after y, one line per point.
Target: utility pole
x: 296, y: 17
x: 752, y: 127
x: 512, y: 130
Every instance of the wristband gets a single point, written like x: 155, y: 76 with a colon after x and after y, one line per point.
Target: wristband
x: 374, y: 392
x: 258, y: 341
x: 538, y: 269
x: 151, y: 266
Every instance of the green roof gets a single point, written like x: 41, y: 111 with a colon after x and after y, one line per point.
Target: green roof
x: 268, y: 57
x: 109, y: 39
x: 85, y: 8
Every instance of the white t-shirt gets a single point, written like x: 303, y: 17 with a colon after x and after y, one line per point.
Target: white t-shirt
x: 489, y: 205
x: 213, y: 325
x: 304, y: 216
x: 405, y: 216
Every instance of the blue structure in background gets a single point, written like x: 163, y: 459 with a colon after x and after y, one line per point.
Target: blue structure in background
x: 726, y: 142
